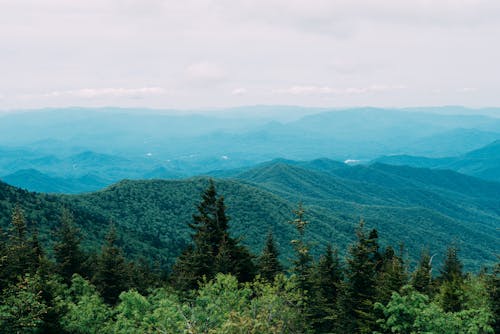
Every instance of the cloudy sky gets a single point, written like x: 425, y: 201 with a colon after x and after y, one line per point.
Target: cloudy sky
x: 219, y: 53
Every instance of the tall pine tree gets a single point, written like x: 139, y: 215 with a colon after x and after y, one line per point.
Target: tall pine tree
x: 213, y: 250
x: 451, y: 290
x: 112, y: 274
x: 67, y: 252
x: 422, y: 276
x: 21, y: 254
x: 360, y: 288
x: 269, y: 265
x: 302, y: 263
x: 326, y: 281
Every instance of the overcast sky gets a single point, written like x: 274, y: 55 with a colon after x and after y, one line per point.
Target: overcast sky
x: 219, y: 53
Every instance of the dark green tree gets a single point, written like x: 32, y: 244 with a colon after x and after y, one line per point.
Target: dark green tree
x: 392, y: 275
x: 213, y: 250
x: 360, y: 288
x: 67, y: 252
x: 493, y: 285
x: 20, y: 253
x: 451, y: 280
x: 303, y: 261
x: 268, y: 264
x: 452, y: 266
x: 422, y: 276
x: 326, y: 280
x: 112, y: 275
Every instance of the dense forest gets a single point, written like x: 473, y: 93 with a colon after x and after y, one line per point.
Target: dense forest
x: 219, y: 285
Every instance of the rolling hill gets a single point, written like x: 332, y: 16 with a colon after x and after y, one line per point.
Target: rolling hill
x: 416, y: 206
x: 483, y: 162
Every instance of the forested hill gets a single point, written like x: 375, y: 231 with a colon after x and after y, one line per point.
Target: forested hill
x: 411, y: 205
x: 419, y: 207
x: 483, y: 163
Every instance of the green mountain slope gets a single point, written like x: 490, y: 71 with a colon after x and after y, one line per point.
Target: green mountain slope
x: 419, y: 207
x: 483, y: 163
x: 36, y: 181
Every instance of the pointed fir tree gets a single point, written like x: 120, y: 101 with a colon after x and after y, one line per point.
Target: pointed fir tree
x: 392, y: 275
x: 451, y: 292
x: 67, y: 252
x: 326, y: 278
x: 269, y: 265
x: 19, y: 256
x: 302, y: 263
x: 111, y: 276
x: 213, y: 250
x: 360, y: 288
x: 452, y: 266
x: 422, y: 276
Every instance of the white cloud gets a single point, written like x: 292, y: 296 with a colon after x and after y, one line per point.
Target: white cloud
x: 327, y: 90
x: 239, y: 91
x: 467, y: 90
x: 95, y: 93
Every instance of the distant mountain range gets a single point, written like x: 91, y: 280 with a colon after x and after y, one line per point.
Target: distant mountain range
x: 107, y: 145
x: 483, y: 163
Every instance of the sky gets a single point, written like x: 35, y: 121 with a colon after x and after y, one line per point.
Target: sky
x: 222, y: 53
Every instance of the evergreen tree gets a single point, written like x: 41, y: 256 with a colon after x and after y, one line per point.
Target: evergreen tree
x: 20, y: 254
x: 452, y: 266
x: 67, y: 251
x: 493, y: 285
x: 326, y: 279
x: 360, y: 289
x: 213, y: 250
x: 392, y: 275
x: 302, y: 263
x: 269, y: 264
x: 422, y: 276
x: 112, y: 276
x: 451, y: 279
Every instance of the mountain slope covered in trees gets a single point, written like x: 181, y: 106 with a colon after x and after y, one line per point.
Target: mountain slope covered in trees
x: 418, y: 207
x: 483, y: 162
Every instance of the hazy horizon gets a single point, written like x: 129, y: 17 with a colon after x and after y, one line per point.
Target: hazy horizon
x: 204, y: 54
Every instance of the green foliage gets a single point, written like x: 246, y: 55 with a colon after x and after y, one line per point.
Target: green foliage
x: 67, y: 252
x: 20, y: 254
x: 493, y: 286
x: 326, y: 282
x: 220, y: 306
x: 302, y: 262
x: 275, y: 308
x: 22, y: 309
x: 422, y: 276
x: 451, y: 290
x: 391, y: 276
x: 319, y: 296
x: 268, y: 263
x: 360, y: 289
x: 213, y: 250
x: 413, y: 312
x: 84, y: 310
x: 112, y: 274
